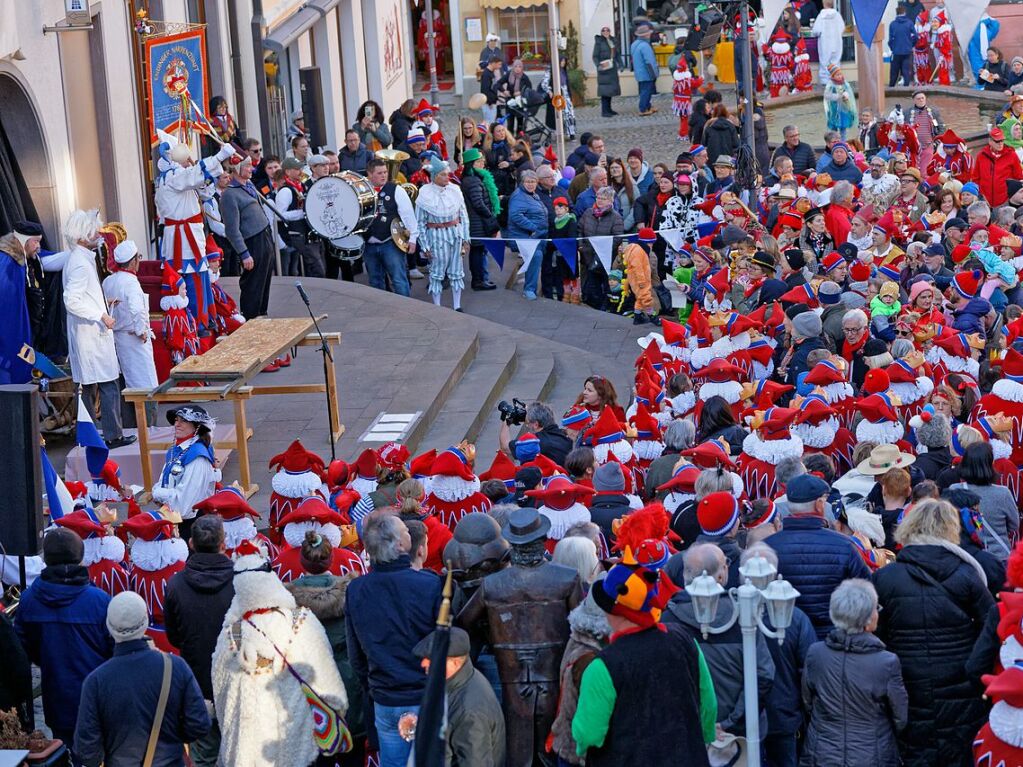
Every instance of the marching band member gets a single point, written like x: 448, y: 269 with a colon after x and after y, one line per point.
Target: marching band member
x: 290, y: 202
x: 177, y: 203
x: 444, y: 231
x: 382, y: 257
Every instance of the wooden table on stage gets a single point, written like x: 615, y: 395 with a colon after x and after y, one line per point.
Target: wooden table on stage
x: 224, y: 372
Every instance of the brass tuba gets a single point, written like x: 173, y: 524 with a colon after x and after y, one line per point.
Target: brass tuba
x: 394, y: 158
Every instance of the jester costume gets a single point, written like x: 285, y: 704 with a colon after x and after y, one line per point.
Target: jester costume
x: 779, y: 55
x: 682, y: 89
x: 941, y: 42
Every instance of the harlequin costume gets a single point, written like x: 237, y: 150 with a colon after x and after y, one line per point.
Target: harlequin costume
x: 179, y: 329
x: 105, y: 486
x: 952, y: 353
x: 910, y: 384
x: 314, y: 514
x: 769, y: 442
x: 881, y: 422
x: 226, y: 316
x: 817, y: 425
x: 721, y: 379
x: 950, y: 157
x: 562, y: 505
x: 941, y: 42
x: 997, y: 431
x: 156, y: 554
x: 104, y: 553
x: 607, y: 438
x: 779, y: 55
x: 1006, y: 398
x: 684, y: 83
x: 647, y: 445
x: 898, y: 137
x: 502, y: 468
x: 454, y: 489
x: 922, y: 50
x: 802, y: 80
x: 1000, y: 741
x: 299, y: 474
x: 239, y: 520
x: 434, y: 137
x: 835, y: 389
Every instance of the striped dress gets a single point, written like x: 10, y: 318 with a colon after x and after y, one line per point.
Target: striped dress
x: 439, y: 204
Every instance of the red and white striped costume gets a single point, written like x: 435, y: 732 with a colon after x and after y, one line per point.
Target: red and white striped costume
x: 1006, y: 398
x: 454, y: 489
x: 768, y: 444
x: 782, y: 61
x: 156, y: 555
x: 104, y: 553
x: 817, y: 425
x: 802, y: 79
x: 299, y: 475
x: 683, y: 85
x: 922, y: 50
x: 941, y: 42
x: 313, y: 514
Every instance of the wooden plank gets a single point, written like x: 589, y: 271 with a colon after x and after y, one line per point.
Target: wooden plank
x: 332, y: 339
x: 290, y: 389
x: 246, y: 351
x: 187, y: 394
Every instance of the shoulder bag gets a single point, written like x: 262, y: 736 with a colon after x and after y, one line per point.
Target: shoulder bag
x: 161, y: 708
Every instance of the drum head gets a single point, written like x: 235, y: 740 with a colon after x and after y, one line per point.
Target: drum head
x: 332, y: 207
x: 351, y: 242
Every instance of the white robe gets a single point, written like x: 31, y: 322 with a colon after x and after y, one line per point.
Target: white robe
x: 90, y: 344
x: 828, y: 28
x: 132, y: 334
x: 177, y: 199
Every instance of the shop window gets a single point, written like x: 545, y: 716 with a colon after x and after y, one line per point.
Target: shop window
x: 524, y: 35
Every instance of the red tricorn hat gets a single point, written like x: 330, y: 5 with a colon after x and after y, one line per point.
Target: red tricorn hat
x: 740, y: 323
x: 312, y: 509
x: 148, y: 526
x: 814, y: 410
x: 422, y: 465
x: 824, y: 373
x: 950, y: 138
x: 765, y: 392
x: 297, y: 460
x: 1006, y: 687
x: 959, y: 344
x: 605, y: 431
x: 675, y: 334
x: 502, y: 468
x: 560, y: 492
x: 366, y: 464
x: 901, y: 371
x: 424, y: 107
x: 646, y: 425
x: 721, y: 371
x: 877, y: 408
x: 652, y: 354
x: 683, y: 480
x: 720, y: 283
x: 760, y: 351
x: 770, y: 324
x: 801, y: 294
x: 699, y: 326
x: 547, y: 467
x: 82, y: 525
x: 229, y: 503
x: 709, y: 455
x: 774, y: 422
x: 1011, y: 365
x: 111, y: 474
x: 453, y: 463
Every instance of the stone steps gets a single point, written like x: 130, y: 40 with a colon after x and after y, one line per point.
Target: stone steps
x: 533, y: 380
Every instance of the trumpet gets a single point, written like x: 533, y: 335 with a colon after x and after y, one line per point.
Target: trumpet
x: 394, y: 158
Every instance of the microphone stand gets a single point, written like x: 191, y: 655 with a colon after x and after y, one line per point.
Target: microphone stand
x: 328, y: 358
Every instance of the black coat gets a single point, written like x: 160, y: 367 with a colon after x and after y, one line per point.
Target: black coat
x: 15, y: 673
x: 401, y: 124
x: 194, y: 605
x: 935, y: 604
x: 605, y: 508
x: 856, y: 702
x: 482, y: 221
x: 720, y: 136
x: 607, y: 79
x: 933, y: 462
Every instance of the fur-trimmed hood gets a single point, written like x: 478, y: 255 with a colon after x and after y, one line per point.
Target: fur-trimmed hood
x: 589, y: 623
x: 12, y: 246
x: 325, y: 602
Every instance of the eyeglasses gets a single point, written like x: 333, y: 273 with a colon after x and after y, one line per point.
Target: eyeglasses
x: 257, y: 150
x: 852, y: 330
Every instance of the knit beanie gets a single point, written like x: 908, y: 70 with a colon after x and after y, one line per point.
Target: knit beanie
x: 62, y: 547
x: 609, y: 477
x: 933, y: 430
x: 127, y: 617
x: 807, y: 325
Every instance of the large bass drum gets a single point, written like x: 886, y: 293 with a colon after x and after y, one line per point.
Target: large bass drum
x: 340, y: 204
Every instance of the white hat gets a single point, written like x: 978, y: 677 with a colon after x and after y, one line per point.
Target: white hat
x: 180, y: 153
x: 681, y: 33
x: 318, y: 159
x: 127, y: 617
x: 492, y: 36
x: 415, y: 133
x: 125, y: 252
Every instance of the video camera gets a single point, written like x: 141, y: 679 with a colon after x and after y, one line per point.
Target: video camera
x: 513, y: 413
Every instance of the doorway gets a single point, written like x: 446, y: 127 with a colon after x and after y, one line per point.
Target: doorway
x: 26, y: 185
x: 442, y: 42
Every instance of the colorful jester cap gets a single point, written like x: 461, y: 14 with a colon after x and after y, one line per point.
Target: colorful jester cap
x: 636, y: 588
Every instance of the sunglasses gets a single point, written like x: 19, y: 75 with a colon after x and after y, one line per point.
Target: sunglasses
x: 904, y: 333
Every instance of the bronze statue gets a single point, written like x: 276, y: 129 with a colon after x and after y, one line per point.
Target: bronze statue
x: 522, y: 611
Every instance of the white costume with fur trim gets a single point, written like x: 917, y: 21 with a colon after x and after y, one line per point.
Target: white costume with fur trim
x: 1006, y: 397
x: 451, y: 498
x: 152, y: 565
x: 263, y: 713
x: 758, y: 460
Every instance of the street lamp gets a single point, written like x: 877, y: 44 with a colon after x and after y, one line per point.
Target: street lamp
x: 760, y: 589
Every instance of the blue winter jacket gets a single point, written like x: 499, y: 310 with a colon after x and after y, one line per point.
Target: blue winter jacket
x: 644, y: 62
x: 387, y: 612
x: 119, y: 702
x: 901, y: 36
x: 815, y: 561
x: 970, y: 319
x: 527, y: 215
x: 785, y: 703
x: 61, y: 621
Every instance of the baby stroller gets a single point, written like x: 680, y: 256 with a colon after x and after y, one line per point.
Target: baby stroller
x: 524, y: 108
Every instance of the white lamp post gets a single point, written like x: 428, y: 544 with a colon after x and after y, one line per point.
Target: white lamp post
x: 759, y: 589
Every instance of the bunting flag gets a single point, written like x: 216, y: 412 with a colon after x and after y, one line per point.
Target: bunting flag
x: 965, y: 16
x: 673, y: 237
x: 495, y: 247
x: 58, y: 497
x: 527, y: 249
x: 568, y: 247
x: 868, y: 15
x: 707, y: 228
x: 87, y: 436
x: 603, y: 246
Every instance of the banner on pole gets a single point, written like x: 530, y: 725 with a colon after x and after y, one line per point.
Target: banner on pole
x: 175, y: 66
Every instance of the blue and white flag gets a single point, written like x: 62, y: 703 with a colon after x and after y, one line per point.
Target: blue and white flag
x: 88, y: 436
x: 58, y: 497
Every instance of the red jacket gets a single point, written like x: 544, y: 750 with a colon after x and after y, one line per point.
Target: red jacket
x: 991, y: 170
x: 838, y: 222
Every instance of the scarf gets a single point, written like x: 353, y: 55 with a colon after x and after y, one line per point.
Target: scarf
x: 598, y: 213
x: 560, y: 221
x: 848, y: 350
x: 663, y: 197
x: 487, y: 178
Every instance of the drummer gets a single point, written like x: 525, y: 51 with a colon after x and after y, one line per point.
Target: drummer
x: 384, y: 261
x: 290, y: 202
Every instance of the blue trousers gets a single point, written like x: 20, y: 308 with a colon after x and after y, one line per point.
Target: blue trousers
x: 646, y: 92
x: 533, y: 272
x: 394, y: 749
x: 383, y: 259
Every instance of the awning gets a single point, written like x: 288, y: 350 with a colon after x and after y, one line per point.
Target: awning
x: 511, y: 4
x: 289, y: 30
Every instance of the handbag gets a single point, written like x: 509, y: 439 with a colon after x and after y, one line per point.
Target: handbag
x: 161, y: 708
x: 330, y: 732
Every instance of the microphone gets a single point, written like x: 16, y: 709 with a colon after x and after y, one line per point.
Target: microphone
x: 301, y: 292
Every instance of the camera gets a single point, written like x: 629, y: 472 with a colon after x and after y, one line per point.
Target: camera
x: 512, y: 413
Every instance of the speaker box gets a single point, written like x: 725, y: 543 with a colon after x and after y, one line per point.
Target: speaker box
x: 21, y: 474
x: 706, y: 34
x: 312, y: 106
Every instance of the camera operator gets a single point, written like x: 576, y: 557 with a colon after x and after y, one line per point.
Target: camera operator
x: 554, y: 443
